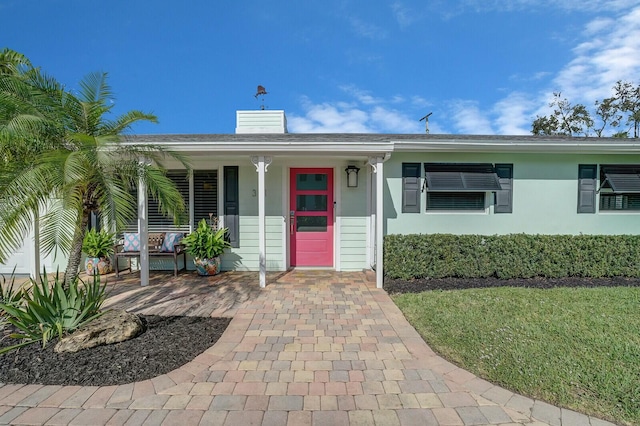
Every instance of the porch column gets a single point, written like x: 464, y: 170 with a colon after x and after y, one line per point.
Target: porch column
x: 379, y: 222
x: 262, y: 163
x: 376, y: 164
x: 35, y: 265
x: 143, y: 231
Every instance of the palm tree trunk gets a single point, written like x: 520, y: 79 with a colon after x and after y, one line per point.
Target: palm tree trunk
x: 75, y: 255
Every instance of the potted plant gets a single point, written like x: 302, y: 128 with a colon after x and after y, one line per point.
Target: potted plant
x: 206, y: 245
x: 98, y: 246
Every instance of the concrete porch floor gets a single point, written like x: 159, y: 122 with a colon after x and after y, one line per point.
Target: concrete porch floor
x: 312, y: 348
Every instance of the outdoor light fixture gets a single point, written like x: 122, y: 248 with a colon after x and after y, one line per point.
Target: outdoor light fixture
x: 352, y: 176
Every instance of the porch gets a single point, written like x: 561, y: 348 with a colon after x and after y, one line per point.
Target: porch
x: 222, y: 295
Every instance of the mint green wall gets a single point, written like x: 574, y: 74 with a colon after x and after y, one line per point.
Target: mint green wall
x: 245, y: 257
x: 545, y: 189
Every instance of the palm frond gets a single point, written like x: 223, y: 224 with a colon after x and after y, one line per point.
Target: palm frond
x: 95, y: 89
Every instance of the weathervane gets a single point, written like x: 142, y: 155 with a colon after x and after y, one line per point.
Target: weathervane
x: 261, y: 91
x: 426, y: 122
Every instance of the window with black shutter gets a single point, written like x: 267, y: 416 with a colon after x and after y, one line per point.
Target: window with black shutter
x: 619, y: 187
x: 411, y: 187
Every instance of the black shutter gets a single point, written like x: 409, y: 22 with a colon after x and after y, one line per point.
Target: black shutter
x: 231, y: 204
x: 411, y: 187
x: 587, y: 188
x: 504, y: 197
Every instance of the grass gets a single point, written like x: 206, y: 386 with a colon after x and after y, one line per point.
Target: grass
x: 573, y: 347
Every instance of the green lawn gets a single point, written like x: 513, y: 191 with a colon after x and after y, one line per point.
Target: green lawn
x: 574, y: 347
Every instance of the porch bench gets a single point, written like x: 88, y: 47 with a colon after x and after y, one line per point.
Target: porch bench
x: 155, y: 244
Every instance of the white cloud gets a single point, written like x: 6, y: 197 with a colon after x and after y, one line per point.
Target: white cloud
x: 364, y: 114
x: 610, y: 52
x: 513, y: 114
x: 468, y: 119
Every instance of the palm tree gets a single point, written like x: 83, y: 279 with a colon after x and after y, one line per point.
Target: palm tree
x: 82, y: 164
x: 11, y: 61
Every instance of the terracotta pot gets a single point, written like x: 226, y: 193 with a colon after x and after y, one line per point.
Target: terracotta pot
x: 99, y: 266
x: 207, y: 267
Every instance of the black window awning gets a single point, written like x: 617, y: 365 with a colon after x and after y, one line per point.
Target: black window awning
x: 451, y: 177
x: 622, y: 178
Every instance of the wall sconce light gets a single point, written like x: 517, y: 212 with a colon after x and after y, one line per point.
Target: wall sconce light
x: 352, y: 176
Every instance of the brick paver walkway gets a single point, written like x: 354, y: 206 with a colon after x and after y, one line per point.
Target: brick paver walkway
x: 313, y: 348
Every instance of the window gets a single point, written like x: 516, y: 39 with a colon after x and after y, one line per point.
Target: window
x: 158, y: 222
x: 619, y: 187
x: 455, y: 186
x: 205, y: 195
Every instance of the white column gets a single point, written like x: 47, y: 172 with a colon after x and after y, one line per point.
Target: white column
x: 262, y: 163
x: 35, y: 266
x: 143, y: 231
x: 379, y: 221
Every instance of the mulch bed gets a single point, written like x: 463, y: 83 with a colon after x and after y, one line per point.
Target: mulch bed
x: 167, y: 343
x: 419, y: 285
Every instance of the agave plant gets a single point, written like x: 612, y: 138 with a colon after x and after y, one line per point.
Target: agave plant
x: 50, y: 309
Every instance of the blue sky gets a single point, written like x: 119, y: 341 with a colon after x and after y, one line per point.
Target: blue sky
x: 481, y: 66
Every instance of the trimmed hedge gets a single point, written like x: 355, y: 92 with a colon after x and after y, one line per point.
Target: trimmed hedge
x: 511, y: 256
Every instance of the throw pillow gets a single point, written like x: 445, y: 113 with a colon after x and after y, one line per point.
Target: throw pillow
x: 170, y: 238
x: 131, y: 242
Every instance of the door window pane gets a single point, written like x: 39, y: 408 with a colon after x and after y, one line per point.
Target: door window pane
x: 311, y: 203
x: 311, y: 181
x: 311, y: 224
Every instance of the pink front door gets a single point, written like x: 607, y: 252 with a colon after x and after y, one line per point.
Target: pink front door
x: 311, y: 217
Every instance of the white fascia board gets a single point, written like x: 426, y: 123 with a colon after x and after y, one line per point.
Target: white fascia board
x: 278, y: 147
x: 518, y: 146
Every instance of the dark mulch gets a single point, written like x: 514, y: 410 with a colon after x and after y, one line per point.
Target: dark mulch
x: 167, y: 343
x: 418, y: 285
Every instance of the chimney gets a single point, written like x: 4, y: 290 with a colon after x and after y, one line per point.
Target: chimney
x: 263, y: 121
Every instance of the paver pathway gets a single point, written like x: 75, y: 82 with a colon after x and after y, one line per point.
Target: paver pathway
x: 313, y: 348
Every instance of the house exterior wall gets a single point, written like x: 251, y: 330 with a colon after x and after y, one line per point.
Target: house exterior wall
x: 245, y: 257
x: 545, y: 191
x: 353, y: 219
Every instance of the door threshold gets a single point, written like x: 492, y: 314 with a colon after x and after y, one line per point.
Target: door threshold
x: 312, y: 268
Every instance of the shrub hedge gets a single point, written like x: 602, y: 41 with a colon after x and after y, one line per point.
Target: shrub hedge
x: 511, y: 256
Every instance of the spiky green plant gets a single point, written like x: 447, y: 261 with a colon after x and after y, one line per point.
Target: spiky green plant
x: 50, y: 309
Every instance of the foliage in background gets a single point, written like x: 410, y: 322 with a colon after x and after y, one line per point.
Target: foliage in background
x: 205, y: 242
x: 48, y: 309
x: 98, y: 243
x: 511, y: 256
x: 574, y: 347
x: 618, y: 114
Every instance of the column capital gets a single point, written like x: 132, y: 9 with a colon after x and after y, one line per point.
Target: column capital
x: 256, y: 160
